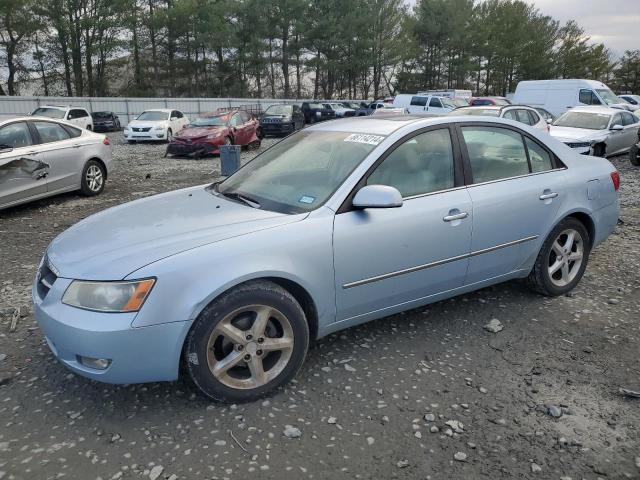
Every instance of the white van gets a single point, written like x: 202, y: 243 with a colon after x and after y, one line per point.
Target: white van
x: 451, y: 93
x: 424, y: 103
x: 558, y: 96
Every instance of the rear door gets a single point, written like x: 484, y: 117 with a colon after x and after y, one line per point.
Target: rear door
x: 631, y: 125
x: 516, y: 188
x: 388, y: 258
x: 22, y: 170
x: 62, y: 152
x: 435, y: 106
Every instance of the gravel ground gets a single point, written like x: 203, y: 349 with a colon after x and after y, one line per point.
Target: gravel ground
x: 428, y: 394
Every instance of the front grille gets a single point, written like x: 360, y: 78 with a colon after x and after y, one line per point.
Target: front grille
x: 578, y: 144
x: 271, y: 120
x: 140, y: 129
x: 46, y: 278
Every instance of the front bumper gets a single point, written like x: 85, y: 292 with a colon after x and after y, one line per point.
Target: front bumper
x: 97, y: 127
x: 277, y: 128
x: 137, y: 355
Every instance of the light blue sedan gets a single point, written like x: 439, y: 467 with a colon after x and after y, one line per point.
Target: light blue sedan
x: 338, y: 224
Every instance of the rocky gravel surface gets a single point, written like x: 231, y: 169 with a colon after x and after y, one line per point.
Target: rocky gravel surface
x: 500, y: 383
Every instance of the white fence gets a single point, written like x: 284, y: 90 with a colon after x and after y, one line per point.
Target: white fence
x: 128, y: 108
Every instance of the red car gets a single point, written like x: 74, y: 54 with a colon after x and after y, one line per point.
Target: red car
x: 484, y: 101
x: 205, y: 135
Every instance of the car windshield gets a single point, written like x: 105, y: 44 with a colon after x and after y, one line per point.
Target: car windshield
x: 101, y: 114
x: 217, y: 121
x: 590, y: 121
x: 490, y: 112
x: 460, y: 102
x: 501, y: 101
x: 153, y: 116
x: 301, y: 172
x: 315, y: 105
x: 48, y: 112
x: 447, y: 103
x: 279, y: 110
x: 608, y: 96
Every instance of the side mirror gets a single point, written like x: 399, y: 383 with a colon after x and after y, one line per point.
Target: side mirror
x: 377, y: 196
x: 549, y: 121
x: 616, y: 128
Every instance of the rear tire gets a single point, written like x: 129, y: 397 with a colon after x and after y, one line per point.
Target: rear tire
x: 634, y: 155
x: 232, y: 356
x: 562, y: 259
x: 93, y: 178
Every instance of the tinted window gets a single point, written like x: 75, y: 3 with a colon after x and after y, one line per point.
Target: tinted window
x: 51, y: 132
x: 72, y: 131
x: 418, y: 101
x: 495, y: 153
x: 587, y: 97
x: 435, y: 102
x: 481, y: 102
x: 422, y: 164
x: 628, y: 119
x: 77, y: 113
x: 539, y: 157
x: 15, y: 135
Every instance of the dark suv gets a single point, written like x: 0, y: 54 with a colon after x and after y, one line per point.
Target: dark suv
x: 316, y: 112
x: 281, y: 120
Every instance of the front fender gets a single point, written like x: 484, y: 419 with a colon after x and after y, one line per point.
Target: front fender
x: 187, y: 282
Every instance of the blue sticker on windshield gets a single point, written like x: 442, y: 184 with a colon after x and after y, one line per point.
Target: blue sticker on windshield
x: 307, y: 199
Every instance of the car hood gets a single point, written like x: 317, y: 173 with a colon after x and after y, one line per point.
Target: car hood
x: 571, y: 134
x: 147, y: 123
x: 194, y: 132
x: 114, y: 243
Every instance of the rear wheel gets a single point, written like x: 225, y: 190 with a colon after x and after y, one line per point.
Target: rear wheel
x: 634, y: 155
x: 562, y: 259
x: 93, y: 178
x: 247, y: 343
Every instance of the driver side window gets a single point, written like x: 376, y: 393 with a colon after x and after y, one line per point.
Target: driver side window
x: 588, y: 97
x: 423, y: 164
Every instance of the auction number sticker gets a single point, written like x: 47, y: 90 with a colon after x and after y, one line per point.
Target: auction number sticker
x: 364, y: 138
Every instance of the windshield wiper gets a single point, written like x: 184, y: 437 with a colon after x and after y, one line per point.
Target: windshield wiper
x: 242, y: 197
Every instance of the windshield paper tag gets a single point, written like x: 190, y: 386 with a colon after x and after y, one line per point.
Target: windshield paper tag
x: 364, y: 138
x: 306, y: 199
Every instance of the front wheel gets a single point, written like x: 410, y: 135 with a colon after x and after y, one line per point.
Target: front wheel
x: 247, y: 343
x: 634, y: 155
x: 93, y: 178
x: 562, y: 259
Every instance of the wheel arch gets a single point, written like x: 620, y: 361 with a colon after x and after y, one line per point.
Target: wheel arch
x: 583, y: 217
x: 101, y: 162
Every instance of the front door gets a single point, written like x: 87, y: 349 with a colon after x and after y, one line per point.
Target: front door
x: 22, y: 171
x: 386, y: 258
x: 516, y: 191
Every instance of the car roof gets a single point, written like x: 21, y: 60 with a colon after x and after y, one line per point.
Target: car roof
x: 61, y: 107
x: 597, y: 109
x: 166, y: 110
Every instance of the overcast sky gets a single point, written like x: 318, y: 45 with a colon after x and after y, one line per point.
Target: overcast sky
x: 616, y: 23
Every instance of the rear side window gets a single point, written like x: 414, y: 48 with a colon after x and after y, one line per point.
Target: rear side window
x: 15, y: 135
x: 540, y: 159
x: 72, y: 131
x: 419, y: 101
x: 495, y: 153
x: 77, y: 113
x: 535, y: 118
x: 523, y: 117
x: 51, y: 132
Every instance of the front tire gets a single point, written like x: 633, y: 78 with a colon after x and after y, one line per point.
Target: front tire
x: 93, y: 178
x: 247, y: 343
x: 562, y: 259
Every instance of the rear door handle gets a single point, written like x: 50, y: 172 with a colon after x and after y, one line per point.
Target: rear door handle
x: 76, y: 146
x: 547, y: 196
x: 457, y: 216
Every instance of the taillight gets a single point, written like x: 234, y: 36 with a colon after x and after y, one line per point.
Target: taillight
x: 615, y: 178
x: 105, y: 140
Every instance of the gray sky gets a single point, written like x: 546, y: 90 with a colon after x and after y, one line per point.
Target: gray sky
x: 616, y: 23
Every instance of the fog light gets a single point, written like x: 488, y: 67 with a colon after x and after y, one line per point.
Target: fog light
x: 95, y: 363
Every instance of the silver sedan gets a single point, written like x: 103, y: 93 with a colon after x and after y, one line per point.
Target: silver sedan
x: 40, y: 157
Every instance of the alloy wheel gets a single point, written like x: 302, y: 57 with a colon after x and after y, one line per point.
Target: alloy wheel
x: 250, y: 347
x: 94, y: 178
x: 565, y: 257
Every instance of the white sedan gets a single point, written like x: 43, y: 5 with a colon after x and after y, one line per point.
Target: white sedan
x: 158, y: 124
x: 517, y: 113
x: 595, y: 130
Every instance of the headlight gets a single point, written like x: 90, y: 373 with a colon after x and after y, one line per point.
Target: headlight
x: 318, y: 114
x: 213, y: 136
x: 108, y: 296
x: 159, y: 128
x: 286, y: 119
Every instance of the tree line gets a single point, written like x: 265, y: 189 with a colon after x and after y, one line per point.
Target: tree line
x: 292, y: 48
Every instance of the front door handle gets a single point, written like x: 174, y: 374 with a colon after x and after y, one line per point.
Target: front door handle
x: 547, y: 196
x: 457, y: 216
